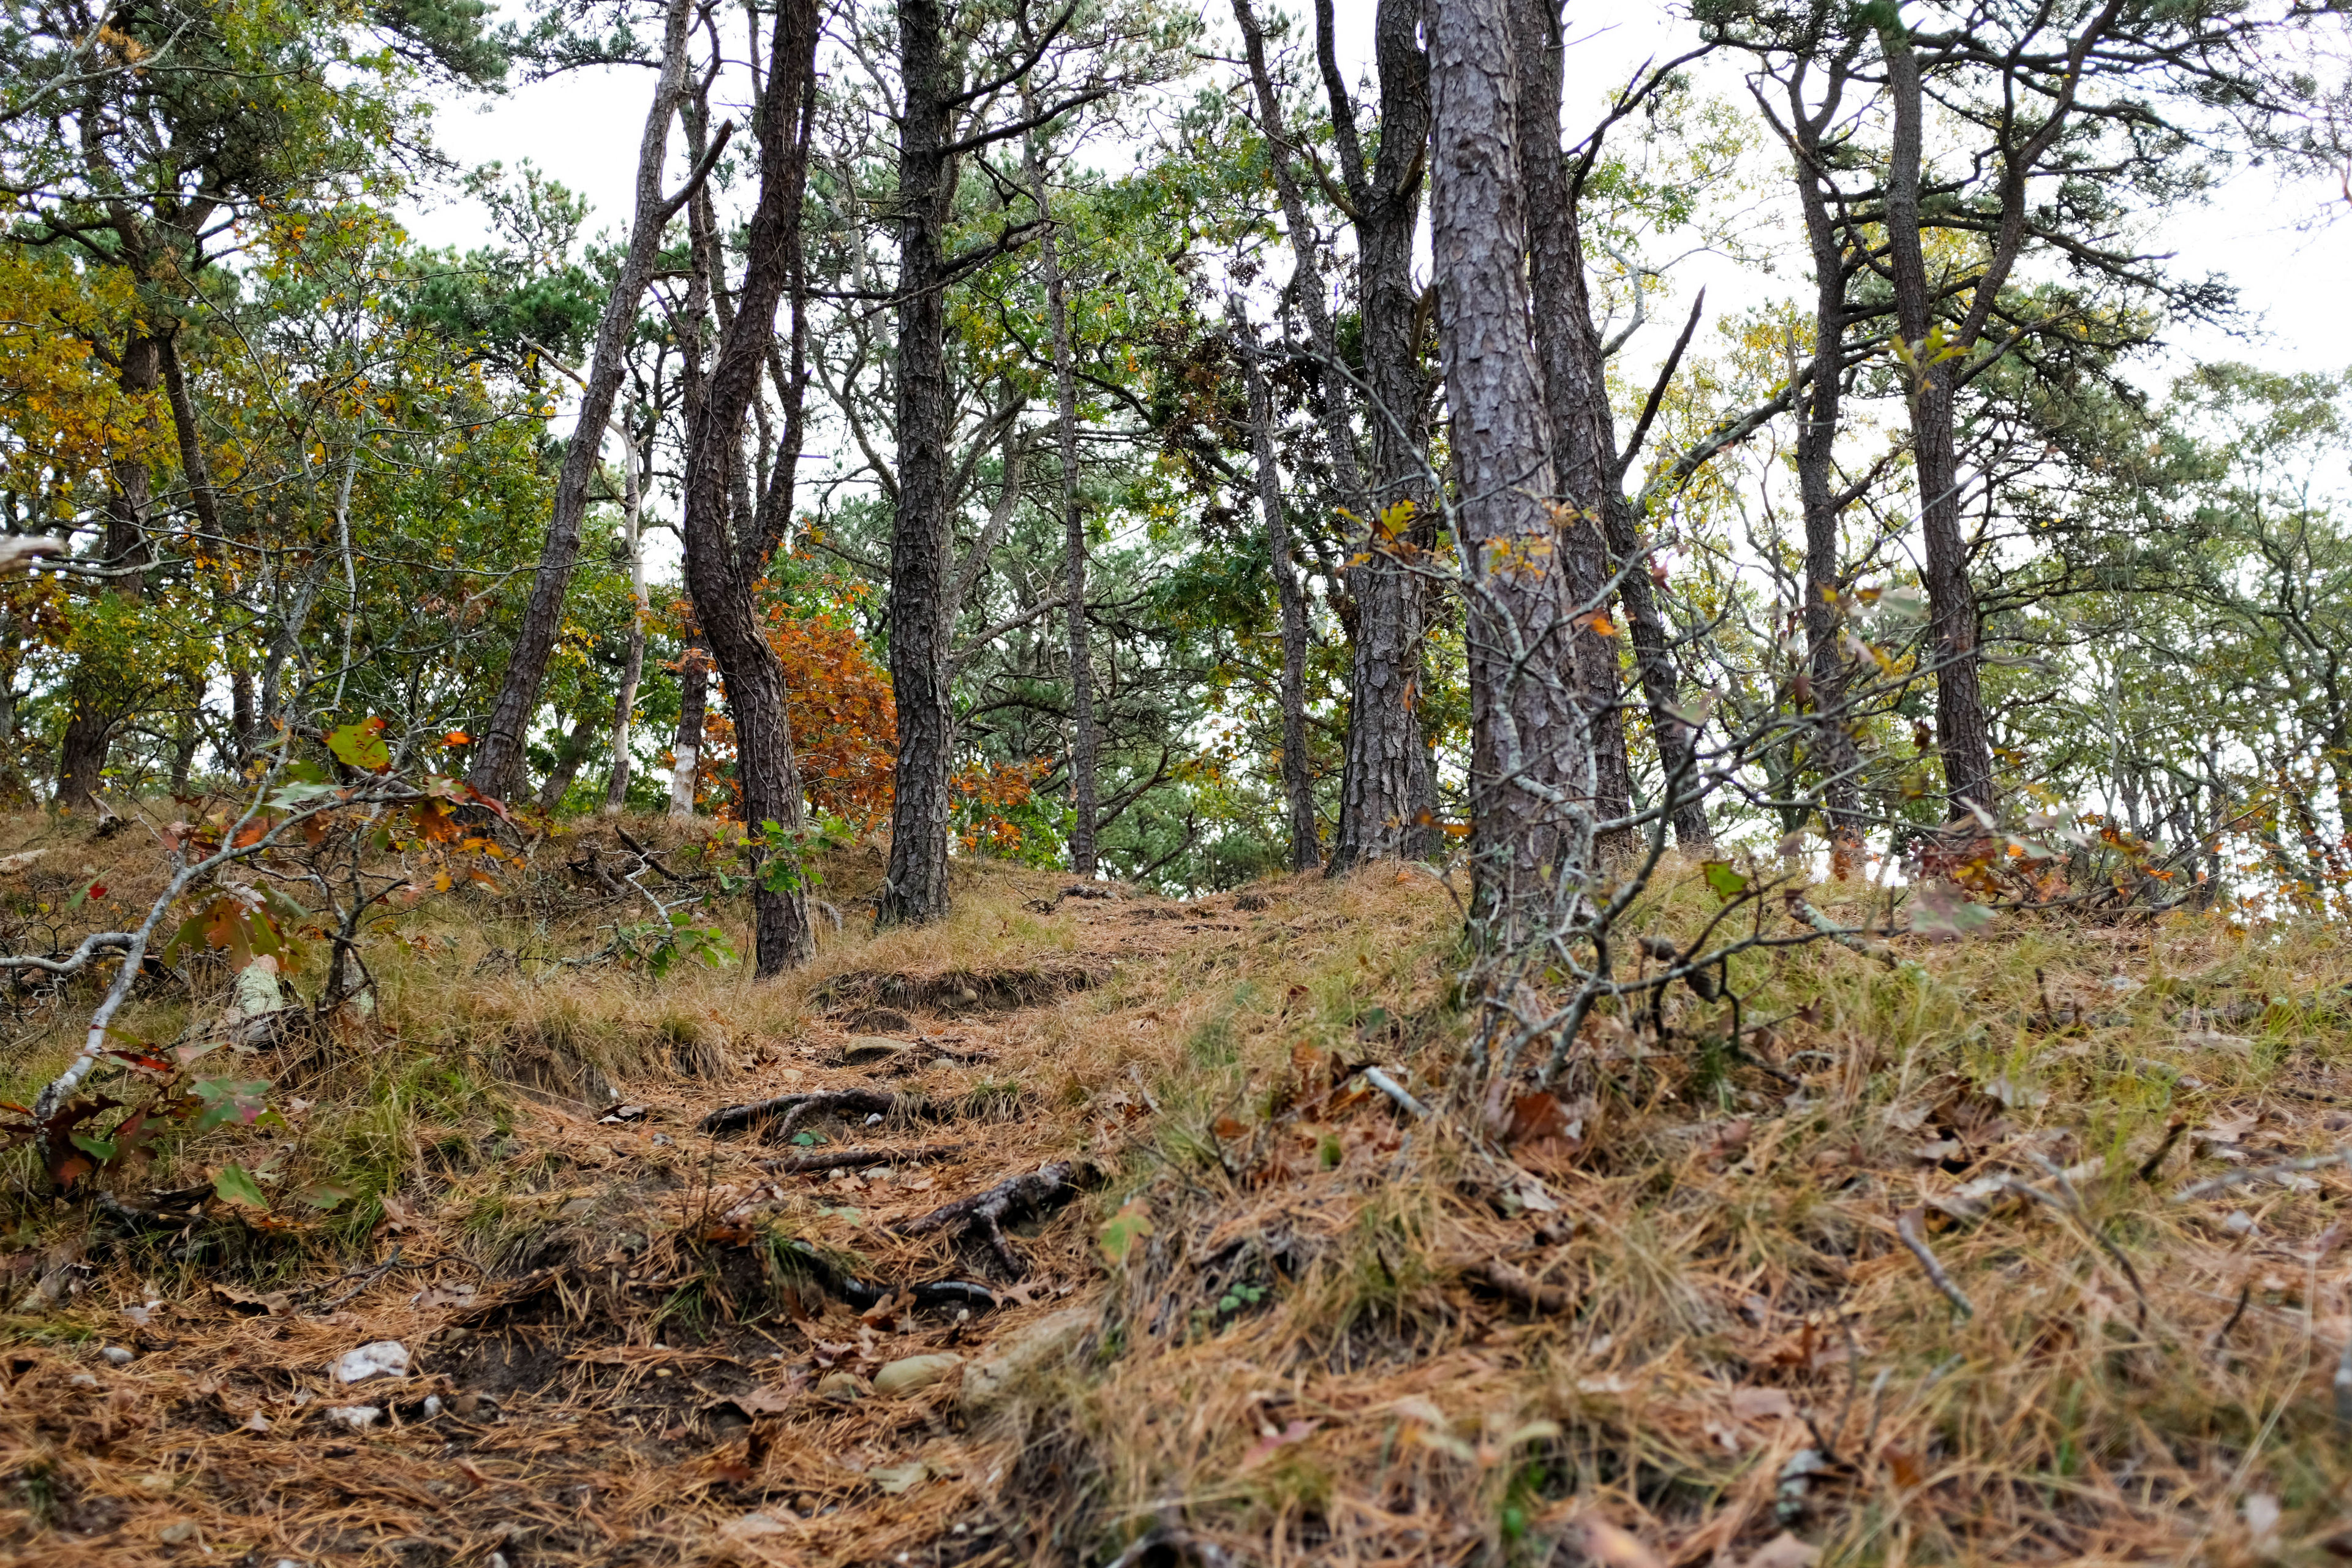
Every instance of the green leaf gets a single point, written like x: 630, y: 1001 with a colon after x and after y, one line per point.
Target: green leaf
x: 98, y: 1149
x: 229, y: 1100
x: 1119, y: 1233
x: 1727, y: 883
x: 325, y: 1195
x: 808, y: 1139
x: 361, y: 744
x: 234, y: 1185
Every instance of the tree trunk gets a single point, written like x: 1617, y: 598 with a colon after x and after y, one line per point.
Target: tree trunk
x: 570, y: 753
x: 1576, y: 400
x: 1963, y: 735
x: 915, y: 886
x: 1387, y: 795
x: 1073, y: 534
x: 1818, y: 419
x: 714, y: 563
x: 1297, y: 783
x: 497, y: 765
x: 693, y: 706
x: 1531, y: 750
x: 632, y: 670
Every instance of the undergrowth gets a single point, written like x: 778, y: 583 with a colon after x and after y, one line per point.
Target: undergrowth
x: 1989, y: 1250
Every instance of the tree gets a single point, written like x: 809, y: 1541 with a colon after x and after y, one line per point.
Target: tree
x: 720, y: 572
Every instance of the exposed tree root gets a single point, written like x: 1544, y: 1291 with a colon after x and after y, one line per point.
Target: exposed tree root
x: 848, y: 1159
x: 1039, y: 1191
x: 795, y: 1109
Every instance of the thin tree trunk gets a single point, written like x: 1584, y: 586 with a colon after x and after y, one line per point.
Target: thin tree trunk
x: 1531, y: 758
x: 915, y: 885
x: 1576, y: 399
x: 570, y: 753
x: 1297, y: 783
x: 1963, y: 735
x: 1388, y: 795
x: 497, y: 765
x: 632, y: 670
x: 693, y: 706
x: 1074, y: 531
x: 714, y: 561
x: 1818, y: 419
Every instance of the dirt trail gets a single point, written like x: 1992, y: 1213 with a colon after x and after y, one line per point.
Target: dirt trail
x: 683, y: 1348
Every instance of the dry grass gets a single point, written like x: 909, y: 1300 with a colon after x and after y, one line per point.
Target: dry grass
x: 1306, y: 1356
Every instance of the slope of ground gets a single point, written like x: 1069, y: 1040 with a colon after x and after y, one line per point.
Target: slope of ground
x: 1085, y: 1229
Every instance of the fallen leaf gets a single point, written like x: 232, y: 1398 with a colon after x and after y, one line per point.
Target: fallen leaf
x: 1761, y: 1404
x: 276, y: 1303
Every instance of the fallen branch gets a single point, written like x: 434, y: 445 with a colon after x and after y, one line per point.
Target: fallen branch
x: 2280, y: 1171
x: 1851, y: 939
x: 1378, y: 1079
x: 844, y: 1159
x: 1910, y: 1225
x: 1047, y: 1187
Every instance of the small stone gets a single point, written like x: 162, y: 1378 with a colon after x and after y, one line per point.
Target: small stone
x: 841, y: 1387
x: 118, y: 1356
x: 177, y: 1534
x: 358, y: 1418
x: 82, y: 1380
x: 910, y: 1372
x: 577, y: 1208
x: 432, y: 1405
x: 385, y: 1357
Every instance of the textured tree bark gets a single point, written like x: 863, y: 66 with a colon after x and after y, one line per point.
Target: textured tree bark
x: 1576, y: 399
x: 1073, y: 532
x: 915, y: 883
x: 1531, y: 757
x: 1388, y: 795
x: 714, y: 563
x: 1817, y: 428
x: 633, y: 669
x: 1298, y: 782
x: 1963, y: 735
x: 497, y: 765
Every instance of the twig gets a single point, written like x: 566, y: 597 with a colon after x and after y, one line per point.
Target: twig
x: 1378, y: 1079
x: 2229, y: 1179
x: 2154, y: 1162
x: 2245, y: 1294
x: 1909, y: 1226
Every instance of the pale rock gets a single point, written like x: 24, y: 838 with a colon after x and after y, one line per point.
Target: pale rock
x: 385, y: 1357
x: 910, y: 1372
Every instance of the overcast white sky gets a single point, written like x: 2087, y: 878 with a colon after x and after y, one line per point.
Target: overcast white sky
x: 583, y: 130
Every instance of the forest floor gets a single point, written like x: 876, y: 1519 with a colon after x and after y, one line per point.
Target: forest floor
x: 2025, y: 1248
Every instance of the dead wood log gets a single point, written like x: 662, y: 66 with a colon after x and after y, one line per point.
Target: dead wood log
x: 1506, y: 1280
